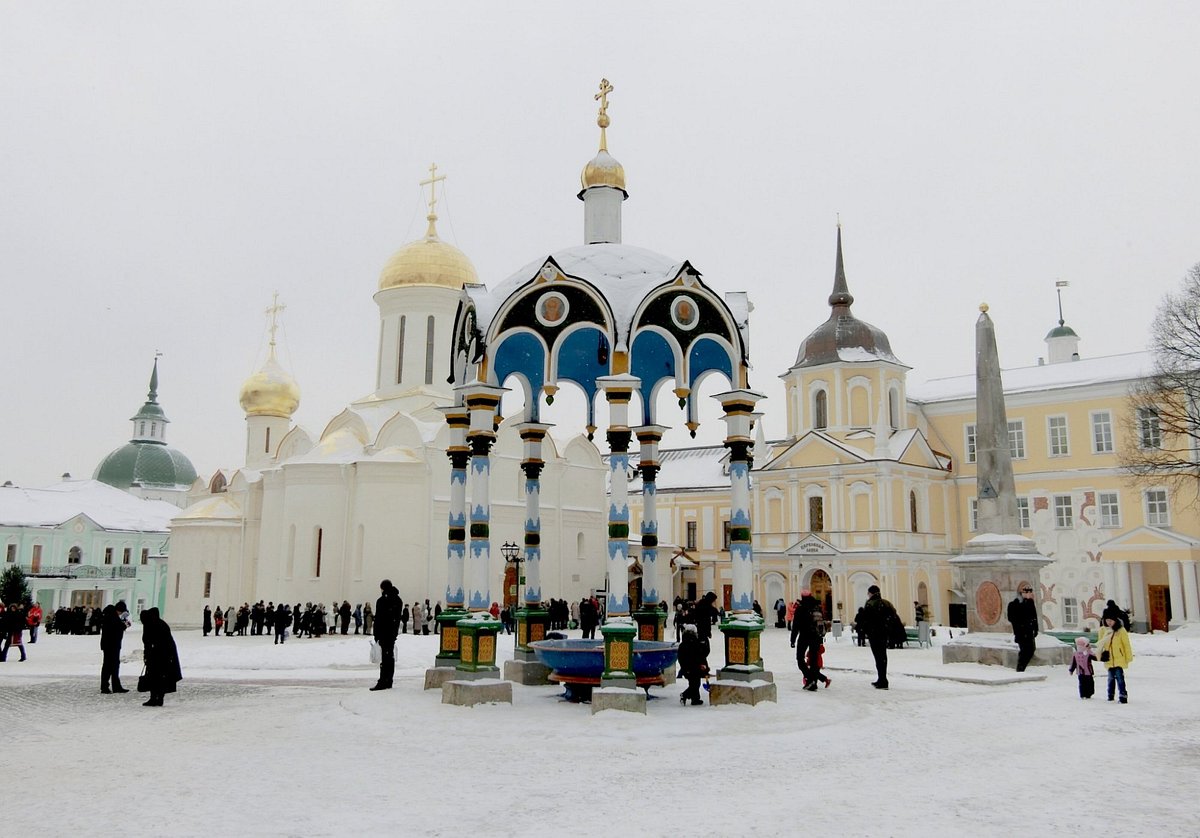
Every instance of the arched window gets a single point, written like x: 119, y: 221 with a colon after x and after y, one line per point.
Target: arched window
x: 153, y: 429
x: 894, y: 410
x: 267, y: 442
x: 142, y: 428
x: 429, y: 350
x: 580, y: 547
x: 400, y: 352
x: 320, y: 535
x: 912, y: 511
x: 820, y: 410
x: 74, y: 556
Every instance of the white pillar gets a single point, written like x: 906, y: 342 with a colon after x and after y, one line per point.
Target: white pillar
x: 1175, y: 580
x: 1140, y: 604
x: 1124, y: 596
x: 482, y: 401
x: 1191, y: 601
x: 1109, y: 570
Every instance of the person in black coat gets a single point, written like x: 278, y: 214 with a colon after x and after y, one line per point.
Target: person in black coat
x: 113, y: 623
x: 161, y: 657
x: 1022, y: 613
x: 207, y: 621
x: 588, y: 618
x: 386, y: 629
x: 705, y: 614
x: 808, y: 627
x: 876, y: 618
x: 693, y: 664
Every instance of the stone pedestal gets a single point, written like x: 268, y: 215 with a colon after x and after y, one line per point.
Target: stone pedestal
x: 467, y: 693
x: 724, y: 691
x: 618, y: 698
x: 997, y: 649
x: 527, y: 670
x: 438, y: 675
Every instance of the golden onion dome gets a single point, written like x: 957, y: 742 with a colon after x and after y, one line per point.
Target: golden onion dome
x: 428, y: 261
x: 603, y: 170
x: 270, y: 391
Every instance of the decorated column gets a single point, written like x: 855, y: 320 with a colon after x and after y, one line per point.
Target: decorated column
x: 477, y: 630
x: 619, y: 628
x: 742, y: 627
x: 532, y: 618
x: 651, y: 619
x: 459, y: 453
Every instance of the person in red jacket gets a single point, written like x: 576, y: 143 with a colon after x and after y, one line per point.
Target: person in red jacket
x: 34, y: 620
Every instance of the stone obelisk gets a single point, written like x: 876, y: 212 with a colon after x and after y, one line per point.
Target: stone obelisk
x: 999, y: 560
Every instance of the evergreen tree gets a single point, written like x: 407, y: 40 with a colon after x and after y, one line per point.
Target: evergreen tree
x: 13, y: 587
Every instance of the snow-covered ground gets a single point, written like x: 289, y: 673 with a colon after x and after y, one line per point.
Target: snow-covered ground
x: 267, y: 740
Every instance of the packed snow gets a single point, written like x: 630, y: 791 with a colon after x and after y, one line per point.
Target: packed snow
x: 287, y: 740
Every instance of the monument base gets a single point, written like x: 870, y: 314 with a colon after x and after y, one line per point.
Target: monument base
x: 530, y: 673
x: 741, y: 692
x: 468, y: 693
x: 618, y: 698
x: 745, y: 674
x: 995, y: 649
x: 438, y: 675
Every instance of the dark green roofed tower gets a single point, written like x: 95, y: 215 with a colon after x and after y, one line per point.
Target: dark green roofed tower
x: 146, y: 462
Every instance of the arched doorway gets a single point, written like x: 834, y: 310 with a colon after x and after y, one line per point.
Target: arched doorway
x: 822, y: 590
x: 773, y: 590
x: 859, y: 583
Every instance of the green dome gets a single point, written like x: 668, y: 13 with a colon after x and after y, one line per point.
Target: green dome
x: 148, y: 464
x: 1061, y: 331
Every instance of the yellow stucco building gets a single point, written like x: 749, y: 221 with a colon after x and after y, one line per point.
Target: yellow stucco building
x: 874, y: 483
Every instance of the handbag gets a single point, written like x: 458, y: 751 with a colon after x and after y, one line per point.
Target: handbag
x: 143, y: 684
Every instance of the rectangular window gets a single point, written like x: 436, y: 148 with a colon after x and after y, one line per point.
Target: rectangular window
x: 1023, y: 513
x: 1158, y: 514
x: 1064, y: 516
x: 37, y: 555
x: 970, y: 432
x: 1016, y: 439
x: 1102, y: 432
x: 429, y: 351
x: 108, y: 555
x: 725, y: 535
x: 1110, y: 509
x: 816, y: 514
x: 145, y: 555
x: 11, y: 554
x: 691, y: 535
x: 176, y: 586
x: 400, y: 352
x: 207, y: 585
x: 126, y: 555
x: 1149, y: 430
x: 973, y: 515
x: 1070, y: 611
x: 1057, y: 426
x: 320, y: 536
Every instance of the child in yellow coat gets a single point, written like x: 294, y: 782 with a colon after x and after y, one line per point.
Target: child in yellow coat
x: 1116, y: 653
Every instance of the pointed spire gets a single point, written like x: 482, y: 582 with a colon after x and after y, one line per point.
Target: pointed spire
x: 841, y: 295
x: 152, y: 396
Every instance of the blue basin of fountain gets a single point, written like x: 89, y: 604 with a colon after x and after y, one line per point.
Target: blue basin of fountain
x: 584, y: 659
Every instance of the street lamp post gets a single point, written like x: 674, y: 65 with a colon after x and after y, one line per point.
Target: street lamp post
x: 512, y: 556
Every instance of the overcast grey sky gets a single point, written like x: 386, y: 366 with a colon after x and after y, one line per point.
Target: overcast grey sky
x: 165, y: 166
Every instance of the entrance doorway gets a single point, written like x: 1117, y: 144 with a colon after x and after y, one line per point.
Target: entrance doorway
x: 88, y: 599
x: 1160, y: 607
x: 822, y: 590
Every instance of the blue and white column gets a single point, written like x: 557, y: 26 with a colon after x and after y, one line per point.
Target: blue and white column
x: 459, y: 453
x: 532, y: 619
x: 619, y: 628
x: 655, y: 585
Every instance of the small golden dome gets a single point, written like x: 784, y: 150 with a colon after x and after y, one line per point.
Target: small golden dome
x: 270, y: 391
x: 603, y: 170
x: 428, y: 261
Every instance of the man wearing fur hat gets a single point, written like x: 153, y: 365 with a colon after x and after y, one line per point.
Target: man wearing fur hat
x: 387, y: 628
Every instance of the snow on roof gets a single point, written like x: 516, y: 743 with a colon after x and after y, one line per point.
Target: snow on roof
x: 702, y: 467
x: 1104, y: 370
x: 110, y: 508
x: 216, y: 507
x: 623, y: 274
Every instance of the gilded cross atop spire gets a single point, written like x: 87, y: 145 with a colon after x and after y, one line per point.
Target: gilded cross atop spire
x: 273, y: 312
x: 602, y: 118
x: 432, y: 182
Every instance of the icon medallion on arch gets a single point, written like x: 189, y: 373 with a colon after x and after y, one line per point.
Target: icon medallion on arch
x: 685, y: 313
x: 551, y: 309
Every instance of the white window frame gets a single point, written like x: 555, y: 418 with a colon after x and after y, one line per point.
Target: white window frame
x: 1024, y: 514
x: 969, y: 447
x: 1158, y: 507
x: 1102, y: 423
x: 1109, y: 506
x: 1149, y: 429
x: 1064, y: 513
x: 1070, y: 611
x: 973, y: 514
x: 1058, y: 437
x: 1016, y: 439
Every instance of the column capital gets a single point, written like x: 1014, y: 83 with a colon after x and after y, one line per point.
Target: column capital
x: 533, y: 430
x: 740, y: 401
x: 619, y: 387
x: 650, y: 433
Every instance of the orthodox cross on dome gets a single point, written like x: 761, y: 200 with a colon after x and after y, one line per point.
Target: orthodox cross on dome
x: 273, y: 312
x: 432, y: 182
x: 602, y: 118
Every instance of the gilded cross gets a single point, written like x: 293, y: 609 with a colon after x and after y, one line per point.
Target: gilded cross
x: 602, y: 96
x: 432, y: 182
x: 273, y: 311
